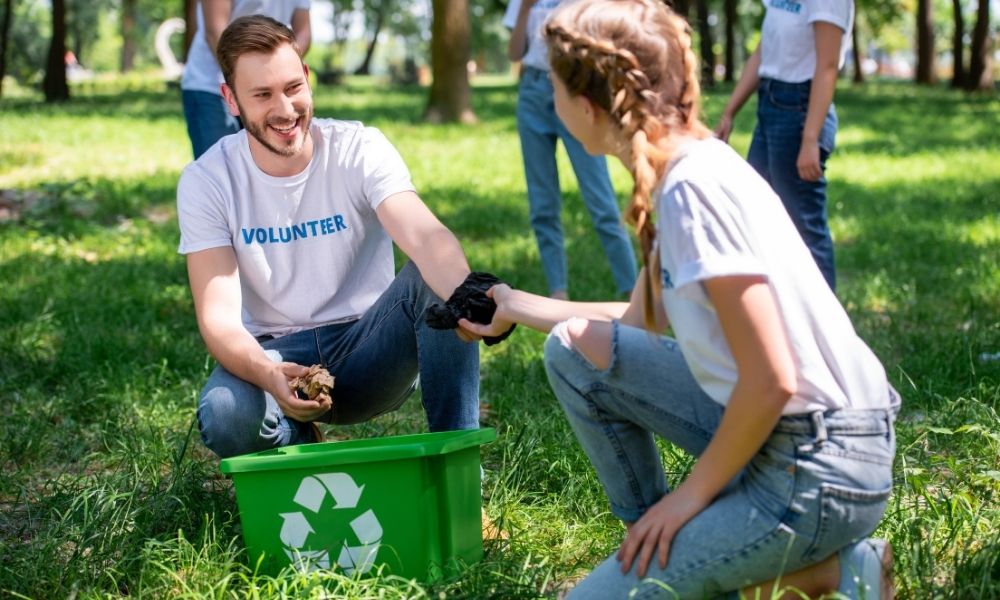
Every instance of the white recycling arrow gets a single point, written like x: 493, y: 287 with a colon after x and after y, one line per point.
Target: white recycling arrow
x: 295, y: 529
x: 361, y: 558
x: 310, y: 560
x: 340, y: 485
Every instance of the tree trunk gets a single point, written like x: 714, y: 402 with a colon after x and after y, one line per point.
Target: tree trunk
x: 450, y: 97
x: 682, y: 7
x: 8, y: 19
x: 190, y: 24
x: 365, y: 67
x: 925, y: 42
x: 54, y: 85
x: 958, y: 46
x: 128, y: 35
x: 859, y: 75
x: 980, y: 75
x: 707, y: 51
x: 731, y: 18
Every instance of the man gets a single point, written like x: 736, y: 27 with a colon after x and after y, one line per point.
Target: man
x: 204, y: 109
x: 288, y: 229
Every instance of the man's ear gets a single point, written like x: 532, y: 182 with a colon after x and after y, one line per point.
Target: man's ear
x: 230, y: 98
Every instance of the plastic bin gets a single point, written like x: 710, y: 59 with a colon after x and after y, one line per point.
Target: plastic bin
x: 411, y: 503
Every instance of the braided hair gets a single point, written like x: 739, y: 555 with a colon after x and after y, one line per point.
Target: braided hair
x: 633, y: 59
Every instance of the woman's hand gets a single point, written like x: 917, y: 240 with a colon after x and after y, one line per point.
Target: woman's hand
x: 724, y: 128
x: 808, y: 161
x: 500, y: 324
x: 278, y: 384
x: 656, y: 530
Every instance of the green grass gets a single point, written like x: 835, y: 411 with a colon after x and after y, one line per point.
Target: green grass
x: 105, y: 489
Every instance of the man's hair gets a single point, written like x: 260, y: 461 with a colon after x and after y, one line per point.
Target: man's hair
x: 245, y: 35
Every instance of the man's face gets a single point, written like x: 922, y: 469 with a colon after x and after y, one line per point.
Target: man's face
x: 271, y: 95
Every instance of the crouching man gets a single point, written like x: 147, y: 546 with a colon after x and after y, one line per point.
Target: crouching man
x: 288, y: 228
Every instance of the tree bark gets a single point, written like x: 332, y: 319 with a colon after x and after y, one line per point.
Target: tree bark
x: 707, y: 51
x: 731, y: 18
x: 128, y: 35
x: 55, y: 85
x: 450, y: 96
x: 8, y: 19
x: 859, y: 74
x: 365, y: 67
x: 925, y: 42
x: 682, y: 7
x: 958, y: 46
x: 980, y: 75
x: 190, y: 24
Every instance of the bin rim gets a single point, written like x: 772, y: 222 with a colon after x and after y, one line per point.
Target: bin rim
x: 363, y: 450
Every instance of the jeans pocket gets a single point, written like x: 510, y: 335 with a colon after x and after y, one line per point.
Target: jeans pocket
x: 845, y: 514
x: 793, y: 100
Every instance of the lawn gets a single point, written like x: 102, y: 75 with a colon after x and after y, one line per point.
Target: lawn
x: 106, y: 490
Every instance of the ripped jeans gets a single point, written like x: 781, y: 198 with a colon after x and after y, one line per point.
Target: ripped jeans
x: 820, y: 482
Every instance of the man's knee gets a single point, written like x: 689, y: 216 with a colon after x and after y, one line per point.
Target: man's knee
x: 225, y: 423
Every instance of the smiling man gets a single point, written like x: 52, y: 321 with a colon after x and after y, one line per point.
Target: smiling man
x: 288, y: 229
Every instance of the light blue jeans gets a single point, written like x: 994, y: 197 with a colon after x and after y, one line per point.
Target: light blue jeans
x: 208, y: 119
x: 375, y: 362
x: 539, y: 128
x: 821, y: 480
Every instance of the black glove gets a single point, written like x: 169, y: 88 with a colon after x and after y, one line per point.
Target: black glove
x: 468, y: 301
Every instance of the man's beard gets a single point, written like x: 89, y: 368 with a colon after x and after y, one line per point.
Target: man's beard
x: 258, y: 131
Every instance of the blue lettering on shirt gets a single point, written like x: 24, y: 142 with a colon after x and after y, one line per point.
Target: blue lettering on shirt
x: 668, y: 284
x: 293, y: 233
x: 787, y: 5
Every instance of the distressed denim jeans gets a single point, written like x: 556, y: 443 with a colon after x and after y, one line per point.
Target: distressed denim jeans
x: 539, y: 128
x: 774, y: 150
x: 820, y: 481
x: 375, y: 362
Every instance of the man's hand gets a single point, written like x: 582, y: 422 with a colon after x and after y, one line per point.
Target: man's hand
x: 656, y: 530
x: 808, y: 161
x: 500, y: 323
x: 278, y: 384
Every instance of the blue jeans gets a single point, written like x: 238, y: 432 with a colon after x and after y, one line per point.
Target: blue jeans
x: 777, y: 139
x: 539, y: 128
x: 208, y: 119
x: 820, y: 481
x: 375, y: 362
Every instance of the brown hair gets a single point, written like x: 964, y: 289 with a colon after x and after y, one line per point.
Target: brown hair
x: 633, y: 59
x: 245, y: 35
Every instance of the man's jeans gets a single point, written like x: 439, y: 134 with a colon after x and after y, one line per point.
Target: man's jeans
x: 777, y: 139
x: 820, y: 481
x: 539, y: 128
x: 375, y: 362
x: 208, y: 119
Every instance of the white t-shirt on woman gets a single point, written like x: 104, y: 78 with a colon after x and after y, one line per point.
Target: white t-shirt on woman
x: 788, y: 40
x: 717, y: 217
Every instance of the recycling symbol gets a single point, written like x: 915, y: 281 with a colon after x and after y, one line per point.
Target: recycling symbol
x: 296, y: 527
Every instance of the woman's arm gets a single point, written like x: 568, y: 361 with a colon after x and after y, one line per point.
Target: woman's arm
x: 741, y: 93
x: 517, y: 46
x: 824, y: 82
x: 766, y: 380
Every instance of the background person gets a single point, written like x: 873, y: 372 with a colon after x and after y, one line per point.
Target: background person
x: 787, y: 410
x: 539, y: 129
x: 794, y: 70
x: 204, y: 110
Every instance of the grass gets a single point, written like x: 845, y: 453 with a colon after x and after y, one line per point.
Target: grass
x: 105, y: 489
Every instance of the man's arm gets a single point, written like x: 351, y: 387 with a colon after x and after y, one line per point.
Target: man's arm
x: 215, y: 286
x: 216, y: 14
x: 824, y: 82
x: 303, y: 30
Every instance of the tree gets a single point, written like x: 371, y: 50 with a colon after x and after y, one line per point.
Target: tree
x: 957, y: 46
x: 925, y: 42
x: 375, y: 12
x: 731, y: 19
x: 706, y: 46
x: 55, y: 85
x: 859, y: 75
x: 980, y: 75
x: 8, y: 18
x: 190, y: 24
x: 450, y: 97
x: 128, y: 34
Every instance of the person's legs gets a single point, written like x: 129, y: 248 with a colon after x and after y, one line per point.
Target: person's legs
x: 208, y: 119
x: 536, y: 128
x: 599, y: 197
x: 375, y: 360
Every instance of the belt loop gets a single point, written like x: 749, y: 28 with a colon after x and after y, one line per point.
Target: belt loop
x: 819, y: 427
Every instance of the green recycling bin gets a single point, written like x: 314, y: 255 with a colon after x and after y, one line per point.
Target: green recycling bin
x: 407, y: 504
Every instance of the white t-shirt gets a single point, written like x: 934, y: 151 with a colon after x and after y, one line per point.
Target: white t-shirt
x: 201, y: 71
x: 716, y: 217
x: 788, y: 40
x: 310, y: 248
x: 537, y: 55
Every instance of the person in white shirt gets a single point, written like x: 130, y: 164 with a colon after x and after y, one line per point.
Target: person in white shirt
x: 288, y: 228
x: 787, y: 411
x: 205, y: 113
x: 794, y: 71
